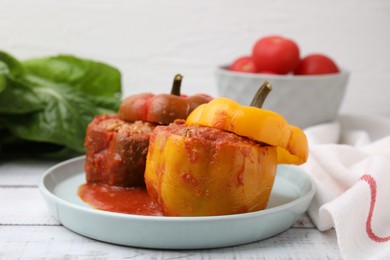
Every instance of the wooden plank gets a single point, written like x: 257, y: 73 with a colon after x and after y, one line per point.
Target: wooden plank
x: 23, y: 172
x: 19, y: 242
x: 24, y: 206
x: 304, y: 222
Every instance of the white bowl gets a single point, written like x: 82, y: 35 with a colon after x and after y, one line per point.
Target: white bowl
x: 303, y: 100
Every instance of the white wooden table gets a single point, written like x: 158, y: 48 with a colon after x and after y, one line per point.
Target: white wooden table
x: 27, y: 230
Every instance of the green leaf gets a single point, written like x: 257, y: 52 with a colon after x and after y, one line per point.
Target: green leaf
x: 91, y: 77
x: 12, y: 65
x: 17, y: 97
x: 2, y: 81
x: 106, y: 105
x: 63, y: 120
x: 46, y: 104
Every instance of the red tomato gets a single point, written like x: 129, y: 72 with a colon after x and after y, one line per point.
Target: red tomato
x: 276, y: 53
x: 243, y: 64
x: 316, y: 64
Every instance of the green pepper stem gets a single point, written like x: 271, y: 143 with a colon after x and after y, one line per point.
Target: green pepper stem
x: 176, y: 85
x: 261, y: 94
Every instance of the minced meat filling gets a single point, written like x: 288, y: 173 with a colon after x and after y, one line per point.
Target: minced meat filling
x: 208, y: 134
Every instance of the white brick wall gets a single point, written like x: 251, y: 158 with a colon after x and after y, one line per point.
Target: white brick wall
x: 150, y: 41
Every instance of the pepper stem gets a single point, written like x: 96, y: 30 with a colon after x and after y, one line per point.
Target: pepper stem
x: 176, y: 85
x: 261, y: 94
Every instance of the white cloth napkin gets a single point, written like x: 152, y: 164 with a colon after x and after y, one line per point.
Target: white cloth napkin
x: 349, y: 161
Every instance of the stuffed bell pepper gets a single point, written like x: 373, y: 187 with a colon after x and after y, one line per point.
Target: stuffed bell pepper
x: 116, y: 145
x: 222, y: 159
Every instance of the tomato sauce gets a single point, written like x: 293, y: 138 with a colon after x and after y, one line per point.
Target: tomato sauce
x: 117, y: 199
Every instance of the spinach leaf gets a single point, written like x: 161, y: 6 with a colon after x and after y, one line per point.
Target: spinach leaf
x: 17, y: 97
x: 2, y: 81
x: 91, y: 77
x: 63, y: 121
x: 10, y: 65
x: 47, y: 103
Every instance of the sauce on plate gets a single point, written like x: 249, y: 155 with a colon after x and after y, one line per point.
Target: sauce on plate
x: 118, y: 199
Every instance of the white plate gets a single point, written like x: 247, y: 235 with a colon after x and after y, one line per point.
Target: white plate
x: 290, y: 197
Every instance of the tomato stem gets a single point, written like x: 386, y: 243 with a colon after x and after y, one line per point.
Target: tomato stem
x: 261, y: 95
x: 176, y: 85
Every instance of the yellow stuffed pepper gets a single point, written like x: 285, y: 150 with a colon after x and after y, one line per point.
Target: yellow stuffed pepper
x: 221, y: 160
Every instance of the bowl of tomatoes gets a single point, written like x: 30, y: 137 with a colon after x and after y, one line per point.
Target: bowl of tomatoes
x: 306, y: 90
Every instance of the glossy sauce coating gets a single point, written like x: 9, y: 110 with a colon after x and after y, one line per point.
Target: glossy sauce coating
x: 119, y: 199
x: 203, y: 171
x: 116, y: 151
